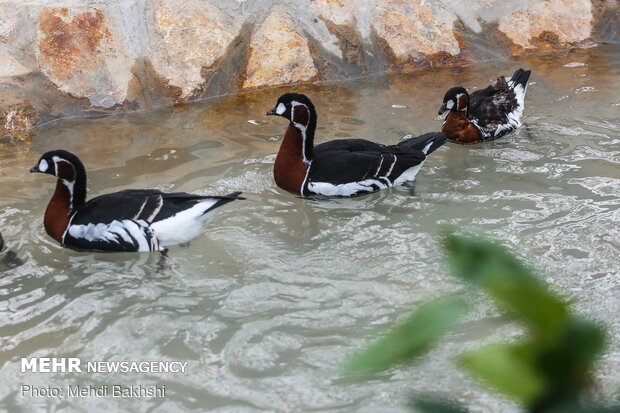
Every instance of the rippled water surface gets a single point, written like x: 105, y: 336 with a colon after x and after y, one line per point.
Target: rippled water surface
x: 280, y: 291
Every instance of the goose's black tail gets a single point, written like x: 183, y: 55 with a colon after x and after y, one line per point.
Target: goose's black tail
x: 520, y: 77
x: 224, y: 199
x: 426, y: 143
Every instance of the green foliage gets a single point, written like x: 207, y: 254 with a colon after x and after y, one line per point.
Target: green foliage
x: 514, y: 287
x: 508, y: 368
x: 554, y: 361
x: 546, y: 371
x: 435, y: 405
x: 413, y: 338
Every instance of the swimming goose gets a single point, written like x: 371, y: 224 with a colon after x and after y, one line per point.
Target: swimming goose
x: 486, y: 114
x: 344, y: 167
x: 129, y: 220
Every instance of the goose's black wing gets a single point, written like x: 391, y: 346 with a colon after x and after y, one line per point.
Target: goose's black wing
x: 497, y: 109
x: 485, y: 95
x: 120, y: 221
x: 349, y: 145
x: 351, y: 167
x: 148, y: 205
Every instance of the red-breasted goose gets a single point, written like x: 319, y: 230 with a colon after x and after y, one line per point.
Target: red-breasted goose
x: 344, y: 167
x: 130, y: 220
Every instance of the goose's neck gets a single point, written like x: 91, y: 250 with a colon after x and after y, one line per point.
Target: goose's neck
x: 67, y: 197
x: 459, y: 129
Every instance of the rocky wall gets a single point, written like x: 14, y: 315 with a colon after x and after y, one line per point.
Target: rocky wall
x: 62, y: 58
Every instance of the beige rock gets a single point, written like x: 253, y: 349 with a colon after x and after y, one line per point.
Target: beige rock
x: 569, y: 20
x: 188, y: 36
x: 336, y: 11
x: 415, y: 27
x: 279, y: 53
x: 7, y: 21
x: 80, y: 53
x: 11, y: 67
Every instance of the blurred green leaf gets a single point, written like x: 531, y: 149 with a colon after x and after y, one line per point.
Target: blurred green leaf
x: 512, y: 284
x: 583, y: 408
x: 509, y: 368
x: 410, y: 339
x: 426, y: 404
x: 548, y: 371
x: 567, y: 363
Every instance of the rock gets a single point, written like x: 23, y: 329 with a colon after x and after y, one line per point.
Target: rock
x: 11, y: 67
x: 149, y: 89
x: 336, y: 11
x: 16, y: 122
x: 1, y: 242
x: 279, y: 53
x: 61, y: 58
x: 81, y: 54
x: 188, y: 36
x: 415, y: 28
x: 606, y: 26
x: 7, y: 22
x: 342, y: 23
x: 548, y: 24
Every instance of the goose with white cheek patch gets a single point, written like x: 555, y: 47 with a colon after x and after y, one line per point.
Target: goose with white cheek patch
x: 344, y: 167
x: 130, y: 220
x: 486, y: 114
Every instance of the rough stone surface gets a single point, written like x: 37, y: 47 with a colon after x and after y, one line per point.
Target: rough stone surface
x: 16, y: 122
x: 11, y: 67
x: 7, y: 22
x: 336, y: 11
x: 188, y: 36
x: 79, y: 53
x: 568, y: 21
x: 606, y: 21
x: 279, y: 53
x: 71, y: 57
x: 416, y: 28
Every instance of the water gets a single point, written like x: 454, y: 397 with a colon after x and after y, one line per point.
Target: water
x: 268, y: 305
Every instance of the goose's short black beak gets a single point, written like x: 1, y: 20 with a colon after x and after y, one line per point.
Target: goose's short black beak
x: 34, y: 169
x: 442, y: 109
x: 272, y: 112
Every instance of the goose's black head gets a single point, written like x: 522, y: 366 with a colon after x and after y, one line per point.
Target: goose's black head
x: 61, y: 164
x: 456, y: 98
x: 68, y: 169
x: 295, y: 107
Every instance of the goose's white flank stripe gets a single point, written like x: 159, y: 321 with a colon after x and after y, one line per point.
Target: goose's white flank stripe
x: 389, y: 172
x: 160, y: 204
x: 348, y: 189
x: 130, y: 231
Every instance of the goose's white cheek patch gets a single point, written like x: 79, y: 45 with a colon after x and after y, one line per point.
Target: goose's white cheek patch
x: 43, y: 165
x: 280, y: 109
x: 450, y: 104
